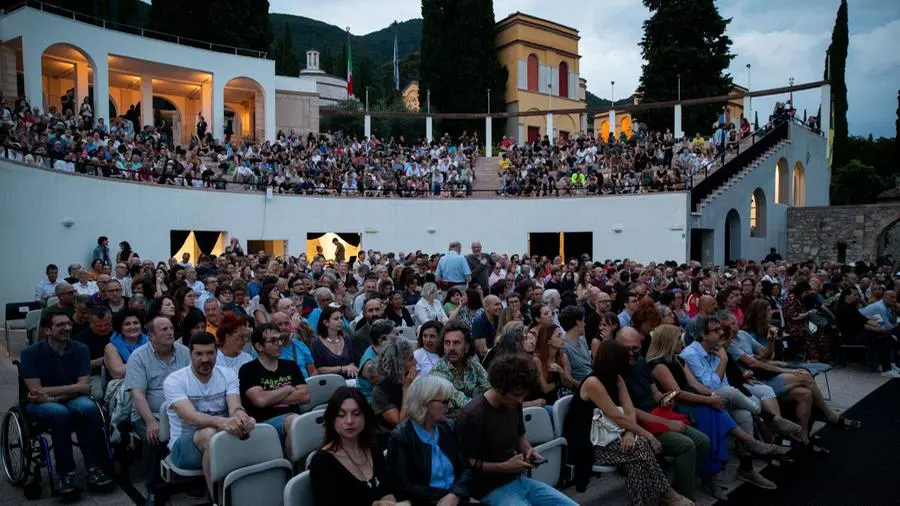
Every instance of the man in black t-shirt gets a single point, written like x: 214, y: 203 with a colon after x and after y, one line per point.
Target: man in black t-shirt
x: 492, y: 430
x: 272, y: 389
x: 96, y: 337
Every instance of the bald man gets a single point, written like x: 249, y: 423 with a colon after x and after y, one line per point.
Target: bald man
x: 687, y: 445
x: 484, y: 326
x: 707, y: 307
x: 598, y: 302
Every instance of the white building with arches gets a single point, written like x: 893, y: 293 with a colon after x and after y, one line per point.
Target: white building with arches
x: 51, y: 58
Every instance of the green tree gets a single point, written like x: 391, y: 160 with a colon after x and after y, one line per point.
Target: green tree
x: 459, y: 60
x: 835, y: 72
x: 684, y: 38
x: 856, y: 183
x: 286, y: 63
x: 241, y: 23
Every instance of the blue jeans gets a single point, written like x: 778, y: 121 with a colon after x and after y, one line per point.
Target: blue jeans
x: 81, y: 416
x: 525, y: 491
x: 185, y: 454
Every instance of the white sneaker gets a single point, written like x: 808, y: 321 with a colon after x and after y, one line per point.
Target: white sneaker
x: 893, y: 373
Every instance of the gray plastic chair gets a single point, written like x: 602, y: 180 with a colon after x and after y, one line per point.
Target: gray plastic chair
x: 539, y: 432
x: 306, y: 435
x: 169, y: 472
x: 298, y: 491
x: 32, y: 322
x: 248, y: 471
x: 408, y: 333
x: 321, y: 387
x: 560, y: 410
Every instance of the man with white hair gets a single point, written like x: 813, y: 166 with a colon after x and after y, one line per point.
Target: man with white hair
x: 481, y: 266
x: 552, y: 300
x: 453, y: 269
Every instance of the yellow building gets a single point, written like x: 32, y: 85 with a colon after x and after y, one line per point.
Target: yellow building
x: 543, y: 62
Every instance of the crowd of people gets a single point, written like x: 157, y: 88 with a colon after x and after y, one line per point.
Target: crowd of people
x: 675, y: 358
x: 327, y: 164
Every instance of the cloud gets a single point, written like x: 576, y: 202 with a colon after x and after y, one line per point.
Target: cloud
x: 780, y: 39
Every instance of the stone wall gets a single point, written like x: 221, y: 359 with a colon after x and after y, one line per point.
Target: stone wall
x: 819, y: 233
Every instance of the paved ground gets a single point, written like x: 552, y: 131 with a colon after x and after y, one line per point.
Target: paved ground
x: 848, y: 386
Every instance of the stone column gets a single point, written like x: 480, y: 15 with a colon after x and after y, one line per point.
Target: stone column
x: 677, y: 131
x: 101, y: 88
x: 612, y: 124
x: 550, y: 126
x: 367, y: 126
x: 429, y: 135
x: 488, y: 137
x: 218, y: 108
x: 206, y: 108
x: 146, y: 101
x: 82, y: 84
x: 31, y: 67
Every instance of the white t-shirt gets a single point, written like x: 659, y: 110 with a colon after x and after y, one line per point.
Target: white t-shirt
x: 233, y: 363
x: 208, y: 398
x: 425, y: 360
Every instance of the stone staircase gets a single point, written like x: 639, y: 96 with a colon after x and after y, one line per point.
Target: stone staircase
x: 760, y: 160
x: 487, y: 179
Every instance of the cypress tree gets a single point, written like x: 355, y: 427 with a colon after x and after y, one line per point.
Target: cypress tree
x: 686, y: 38
x: 459, y: 59
x: 835, y: 73
x: 286, y: 63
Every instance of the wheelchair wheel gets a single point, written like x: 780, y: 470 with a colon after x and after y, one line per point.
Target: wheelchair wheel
x: 15, y: 446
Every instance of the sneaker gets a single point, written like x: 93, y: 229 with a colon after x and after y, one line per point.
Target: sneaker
x: 97, y: 477
x: 891, y: 374
x: 784, y: 426
x: 753, y: 477
x: 65, y: 485
x: 760, y: 448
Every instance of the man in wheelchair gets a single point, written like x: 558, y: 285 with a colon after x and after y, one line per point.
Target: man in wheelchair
x: 56, y: 372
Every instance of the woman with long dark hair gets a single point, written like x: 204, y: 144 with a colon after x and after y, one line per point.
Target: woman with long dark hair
x: 396, y: 312
x: 635, y: 448
x: 345, y: 469
x: 331, y: 349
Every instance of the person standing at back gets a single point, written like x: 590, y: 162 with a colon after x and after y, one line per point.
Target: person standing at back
x: 481, y: 266
x: 453, y: 269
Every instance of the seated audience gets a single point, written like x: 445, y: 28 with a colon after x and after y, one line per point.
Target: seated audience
x: 634, y: 447
x: 485, y: 325
x: 397, y: 369
x: 572, y: 321
x: 272, y: 389
x: 460, y: 366
x: 858, y: 328
x: 96, y: 337
x: 348, y: 468
x: 429, y: 307
x: 147, y: 369
x: 331, y: 350
x: 202, y: 399
x: 380, y: 333
x: 554, y: 378
x: 397, y: 312
x: 193, y: 323
x: 231, y: 341
x: 424, y: 448
x: 294, y: 345
x: 492, y: 432
x: 56, y: 371
x: 426, y: 353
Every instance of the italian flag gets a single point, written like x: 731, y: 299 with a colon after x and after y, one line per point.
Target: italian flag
x: 349, y: 67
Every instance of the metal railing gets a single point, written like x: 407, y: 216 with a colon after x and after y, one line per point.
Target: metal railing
x: 717, y: 178
x: 138, y: 30
x: 260, y: 183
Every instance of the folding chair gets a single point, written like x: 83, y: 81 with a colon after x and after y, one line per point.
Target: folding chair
x: 249, y: 470
x: 298, y: 491
x: 408, y: 333
x: 168, y: 471
x: 306, y: 435
x: 16, y: 313
x: 321, y: 387
x: 539, y: 432
x: 32, y: 322
x: 560, y: 410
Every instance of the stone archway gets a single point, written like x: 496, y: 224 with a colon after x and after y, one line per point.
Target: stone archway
x: 888, y: 240
x: 798, y: 185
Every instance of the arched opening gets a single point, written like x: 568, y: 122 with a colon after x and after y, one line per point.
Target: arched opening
x: 246, y: 98
x: 732, y: 236
x: 68, y: 78
x: 166, y: 118
x: 563, y: 79
x: 113, y: 110
x: 604, y: 130
x: 782, y: 183
x: 533, y: 66
x: 798, y: 184
x: 888, y: 241
x: 758, y: 213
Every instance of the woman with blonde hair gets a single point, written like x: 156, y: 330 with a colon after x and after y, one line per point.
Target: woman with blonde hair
x: 429, y: 306
x: 705, y: 408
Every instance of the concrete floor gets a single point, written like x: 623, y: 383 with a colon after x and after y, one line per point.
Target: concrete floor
x: 848, y: 386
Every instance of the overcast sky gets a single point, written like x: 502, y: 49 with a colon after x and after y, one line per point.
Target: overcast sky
x: 780, y: 39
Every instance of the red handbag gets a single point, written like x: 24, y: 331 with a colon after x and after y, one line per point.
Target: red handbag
x: 668, y: 414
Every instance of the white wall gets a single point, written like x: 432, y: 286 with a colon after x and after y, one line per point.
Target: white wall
x: 34, y: 203
x: 805, y: 147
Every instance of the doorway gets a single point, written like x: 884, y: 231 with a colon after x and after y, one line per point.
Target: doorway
x: 563, y: 244
x: 273, y: 248
x: 322, y: 243
x: 196, y: 243
x: 732, y: 236
x: 534, y: 133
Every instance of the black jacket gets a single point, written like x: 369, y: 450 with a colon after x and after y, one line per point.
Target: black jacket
x: 411, y: 459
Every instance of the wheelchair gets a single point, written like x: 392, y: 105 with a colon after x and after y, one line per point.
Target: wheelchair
x: 26, y: 449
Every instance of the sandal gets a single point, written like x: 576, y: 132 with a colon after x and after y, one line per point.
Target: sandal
x: 847, y: 423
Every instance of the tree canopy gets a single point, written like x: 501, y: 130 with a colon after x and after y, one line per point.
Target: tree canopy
x: 835, y: 72
x: 238, y: 23
x: 684, y: 38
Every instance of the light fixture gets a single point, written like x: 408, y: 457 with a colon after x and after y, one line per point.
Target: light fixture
x: 617, y: 229
x: 68, y: 222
